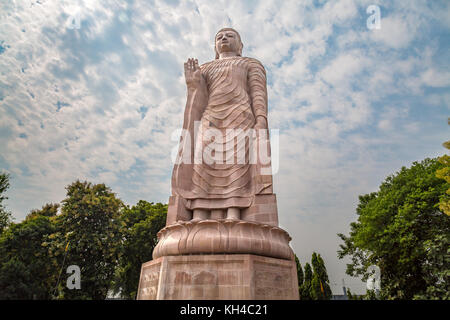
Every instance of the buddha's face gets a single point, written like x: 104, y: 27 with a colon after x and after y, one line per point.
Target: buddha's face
x: 227, y: 41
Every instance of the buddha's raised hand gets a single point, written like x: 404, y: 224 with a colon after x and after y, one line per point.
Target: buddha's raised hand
x: 193, y: 74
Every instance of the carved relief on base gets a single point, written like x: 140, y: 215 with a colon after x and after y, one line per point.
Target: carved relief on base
x: 149, y: 282
x: 219, y: 277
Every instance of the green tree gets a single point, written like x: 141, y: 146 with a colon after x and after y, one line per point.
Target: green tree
x: 5, y: 216
x: 437, y: 270
x: 139, y: 227
x: 48, y: 210
x: 369, y: 295
x: 305, y: 291
x: 26, y: 269
x: 444, y: 173
x: 299, y: 274
x: 394, y: 228
x: 89, y: 228
x: 351, y: 296
x: 320, y: 284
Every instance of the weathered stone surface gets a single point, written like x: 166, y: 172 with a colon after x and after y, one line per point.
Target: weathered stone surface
x: 218, y: 277
x: 177, y: 210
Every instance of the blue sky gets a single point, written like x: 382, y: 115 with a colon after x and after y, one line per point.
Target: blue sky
x: 100, y: 101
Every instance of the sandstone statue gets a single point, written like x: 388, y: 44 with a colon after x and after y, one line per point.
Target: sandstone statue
x: 221, y: 239
x: 227, y: 97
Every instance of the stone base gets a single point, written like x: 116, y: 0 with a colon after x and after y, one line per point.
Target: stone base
x: 218, y: 277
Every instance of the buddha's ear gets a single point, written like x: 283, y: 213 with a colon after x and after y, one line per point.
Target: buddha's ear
x: 215, y: 50
x: 240, y: 49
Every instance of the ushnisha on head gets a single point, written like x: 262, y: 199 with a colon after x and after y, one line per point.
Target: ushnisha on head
x: 227, y: 42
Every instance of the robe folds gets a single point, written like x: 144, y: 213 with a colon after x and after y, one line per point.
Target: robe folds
x: 225, y: 168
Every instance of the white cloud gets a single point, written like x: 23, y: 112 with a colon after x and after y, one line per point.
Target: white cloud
x: 435, y: 78
x: 394, y: 32
x: 344, y: 68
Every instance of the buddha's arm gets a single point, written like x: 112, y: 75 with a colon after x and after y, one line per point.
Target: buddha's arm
x: 258, y: 89
x: 197, y: 99
x: 197, y: 93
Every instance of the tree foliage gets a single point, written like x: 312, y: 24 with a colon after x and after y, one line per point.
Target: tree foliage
x: 139, y: 227
x: 89, y: 228
x: 320, y: 284
x: 314, y: 284
x: 396, y: 227
x: 299, y: 273
x: 95, y: 231
x: 305, y: 290
x: 444, y: 173
x: 437, y: 268
x: 5, y: 216
x: 369, y: 295
x: 26, y: 269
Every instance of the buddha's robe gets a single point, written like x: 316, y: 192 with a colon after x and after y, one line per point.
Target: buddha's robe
x: 236, y: 95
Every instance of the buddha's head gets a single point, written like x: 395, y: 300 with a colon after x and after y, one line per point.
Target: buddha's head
x: 228, y: 40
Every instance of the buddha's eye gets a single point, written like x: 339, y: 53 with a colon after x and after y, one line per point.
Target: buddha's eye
x: 219, y: 37
x: 230, y: 35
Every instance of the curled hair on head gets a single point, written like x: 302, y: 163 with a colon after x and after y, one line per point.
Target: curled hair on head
x: 239, y: 53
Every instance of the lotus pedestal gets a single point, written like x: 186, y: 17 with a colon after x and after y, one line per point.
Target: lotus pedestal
x: 220, y: 260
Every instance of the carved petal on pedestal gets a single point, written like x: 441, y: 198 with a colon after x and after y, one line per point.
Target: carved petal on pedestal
x: 207, y: 236
x: 223, y: 236
x: 170, y: 240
